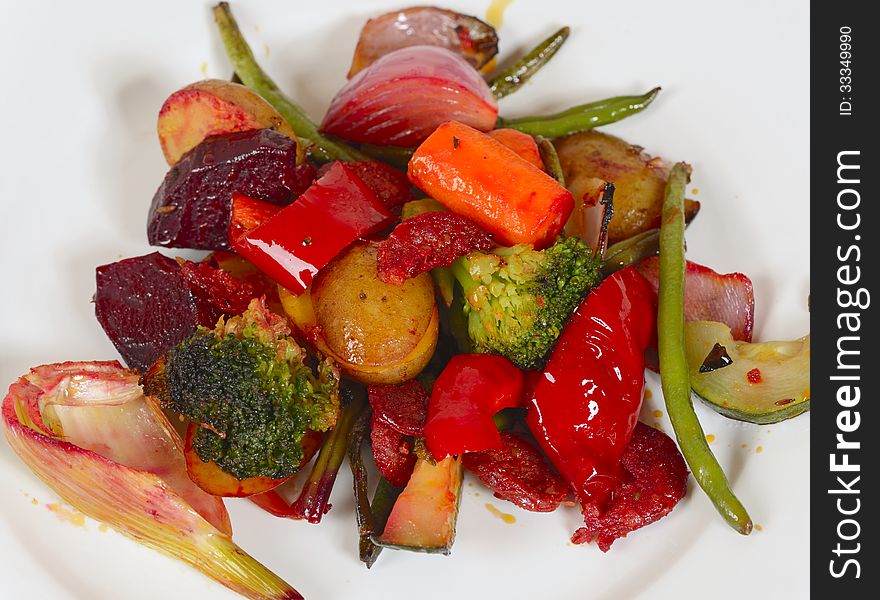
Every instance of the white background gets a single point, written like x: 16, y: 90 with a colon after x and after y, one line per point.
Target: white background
x: 82, y: 83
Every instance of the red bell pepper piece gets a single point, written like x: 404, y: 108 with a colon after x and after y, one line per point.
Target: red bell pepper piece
x: 474, y: 175
x: 585, y: 407
x: 465, y: 397
x: 390, y: 185
x: 298, y: 241
x: 247, y: 214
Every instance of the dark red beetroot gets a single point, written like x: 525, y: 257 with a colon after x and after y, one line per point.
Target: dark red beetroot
x: 148, y: 304
x: 428, y: 241
x: 403, y: 407
x: 655, y: 479
x: 191, y: 208
x: 391, y: 186
x: 518, y: 473
x: 393, y: 452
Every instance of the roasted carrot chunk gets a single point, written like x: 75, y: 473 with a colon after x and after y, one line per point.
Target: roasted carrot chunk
x: 472, y: 174
x: 521, y: 143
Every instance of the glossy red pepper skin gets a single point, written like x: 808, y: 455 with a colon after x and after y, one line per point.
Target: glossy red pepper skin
x: 465, y: 397
x: 292, y: 246
x: 247, y: 214
x: 585, y: 406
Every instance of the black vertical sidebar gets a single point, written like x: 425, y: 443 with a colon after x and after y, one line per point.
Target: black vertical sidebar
x: 844, y: 233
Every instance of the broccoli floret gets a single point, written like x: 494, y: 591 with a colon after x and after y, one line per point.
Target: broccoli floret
x: 517, y: 300
x: 246, y: 383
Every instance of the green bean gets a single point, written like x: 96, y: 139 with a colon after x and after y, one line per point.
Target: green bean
x: 393, y: 155
x: 510, y: 80
x: 630, y: 251
x: 253, y: 76
x: 582, y: 117
x: 674, y: 375
x: 551, y: 159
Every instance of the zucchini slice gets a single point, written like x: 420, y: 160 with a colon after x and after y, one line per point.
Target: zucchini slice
x: 767, y: 382
x: 424, y: 515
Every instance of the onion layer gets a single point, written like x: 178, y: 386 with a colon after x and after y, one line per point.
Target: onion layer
x: 88, y: 431
x: 402, y: 97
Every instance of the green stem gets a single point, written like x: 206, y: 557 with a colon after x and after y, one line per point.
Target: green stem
x: 631, y: 251
x: 314, y: 500
x: 395, y: 156
x: 253, y: 76
x: 674, y: 375
x: 582, y: 117
x: 512, y: 79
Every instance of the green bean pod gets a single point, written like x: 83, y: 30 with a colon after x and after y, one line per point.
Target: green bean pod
x: 393, y: 155
x: 674, y: 374
x: 510, y: 80
x: 630, y: 251
x: 582, y: 117
x: 551, y: 159
x: 252, y: 75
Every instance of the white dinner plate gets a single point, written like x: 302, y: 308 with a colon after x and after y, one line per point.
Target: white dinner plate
x: 82, y: 85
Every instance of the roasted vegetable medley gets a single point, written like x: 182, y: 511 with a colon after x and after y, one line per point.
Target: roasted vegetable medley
x: 416, y: 283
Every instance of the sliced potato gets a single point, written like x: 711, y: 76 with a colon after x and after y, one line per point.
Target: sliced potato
x: 639, y: 180
x: 212, y: 107
x: 378, y: 333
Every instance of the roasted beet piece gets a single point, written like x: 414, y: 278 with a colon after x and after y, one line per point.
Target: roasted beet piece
x: 518, y: 473
x: 149, y: 304
x: 403, y: 407
x: 146, y: 306
x: 192, y: 206
x: 393, y: 452
x: 391, y: 186
x: 427, y: 241
x: 655, y: 479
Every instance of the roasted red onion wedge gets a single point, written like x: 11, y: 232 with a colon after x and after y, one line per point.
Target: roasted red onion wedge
x: 89, y: 432
x: 405, y: 95
x: 473, y: 39
x: 593, y: 209
x: 711, y: 296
